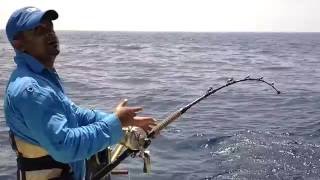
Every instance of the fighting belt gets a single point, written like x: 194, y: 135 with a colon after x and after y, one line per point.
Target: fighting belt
x: 34, y: 162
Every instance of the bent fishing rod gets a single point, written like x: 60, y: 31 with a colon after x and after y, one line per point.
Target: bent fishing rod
x: 133, y: 150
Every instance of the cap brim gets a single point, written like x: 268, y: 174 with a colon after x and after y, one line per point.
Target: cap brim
x: 50, y: 15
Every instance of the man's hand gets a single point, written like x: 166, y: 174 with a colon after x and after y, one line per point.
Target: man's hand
x: 146, y: 123
x: 126, y: 114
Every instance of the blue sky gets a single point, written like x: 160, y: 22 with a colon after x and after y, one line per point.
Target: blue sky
x: 178, y: 15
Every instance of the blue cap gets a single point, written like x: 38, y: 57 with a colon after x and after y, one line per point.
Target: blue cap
x: 27, y: 18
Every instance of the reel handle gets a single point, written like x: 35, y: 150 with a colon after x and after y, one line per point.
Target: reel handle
x: 146, y: 162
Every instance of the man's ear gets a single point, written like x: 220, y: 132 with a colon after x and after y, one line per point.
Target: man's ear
x: 17, y: 44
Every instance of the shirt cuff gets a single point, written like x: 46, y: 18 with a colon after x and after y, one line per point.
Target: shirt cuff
x: 115, y: 126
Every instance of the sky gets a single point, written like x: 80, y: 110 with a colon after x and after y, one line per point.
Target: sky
x: 177, y: 15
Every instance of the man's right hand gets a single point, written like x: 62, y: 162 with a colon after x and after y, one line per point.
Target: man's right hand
x: 126, y: 114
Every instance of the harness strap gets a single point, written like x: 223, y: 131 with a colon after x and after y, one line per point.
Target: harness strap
x: 40, y: 163
x: 13, y: 142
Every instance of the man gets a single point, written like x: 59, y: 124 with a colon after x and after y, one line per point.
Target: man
x: 51, y: 135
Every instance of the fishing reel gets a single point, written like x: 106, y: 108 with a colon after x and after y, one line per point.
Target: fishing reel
x: 135, y: 139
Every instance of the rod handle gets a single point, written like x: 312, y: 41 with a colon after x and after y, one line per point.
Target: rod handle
x: 172, y: 117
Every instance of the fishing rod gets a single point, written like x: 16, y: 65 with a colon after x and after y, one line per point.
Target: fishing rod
x: 142, y: 142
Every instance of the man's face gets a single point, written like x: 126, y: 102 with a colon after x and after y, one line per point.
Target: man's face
x: 41, y: 42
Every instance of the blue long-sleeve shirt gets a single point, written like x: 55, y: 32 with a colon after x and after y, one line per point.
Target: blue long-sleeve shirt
x: 38, y: 111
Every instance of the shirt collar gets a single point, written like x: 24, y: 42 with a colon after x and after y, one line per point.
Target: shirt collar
x: 25, y: 59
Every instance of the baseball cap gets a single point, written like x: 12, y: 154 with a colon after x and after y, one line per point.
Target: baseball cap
x: 27, y: 18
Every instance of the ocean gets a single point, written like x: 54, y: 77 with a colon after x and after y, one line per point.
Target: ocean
x: 245, y: 131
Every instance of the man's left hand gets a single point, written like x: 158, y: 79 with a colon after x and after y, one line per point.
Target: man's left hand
x: 146, y: 123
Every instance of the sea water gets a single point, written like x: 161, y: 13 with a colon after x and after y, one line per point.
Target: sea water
x: 244, y: 131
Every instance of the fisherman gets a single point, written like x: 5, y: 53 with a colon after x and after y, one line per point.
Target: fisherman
x: 51, y: 135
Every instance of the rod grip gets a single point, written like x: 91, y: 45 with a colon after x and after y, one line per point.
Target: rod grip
x: 172, y: 117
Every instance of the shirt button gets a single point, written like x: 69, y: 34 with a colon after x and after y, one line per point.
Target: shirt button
x: 30, y: 89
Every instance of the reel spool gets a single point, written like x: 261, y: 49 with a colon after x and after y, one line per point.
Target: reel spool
x: 135, y: 139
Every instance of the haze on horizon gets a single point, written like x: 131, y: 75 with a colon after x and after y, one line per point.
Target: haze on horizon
x: 178, y: 15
